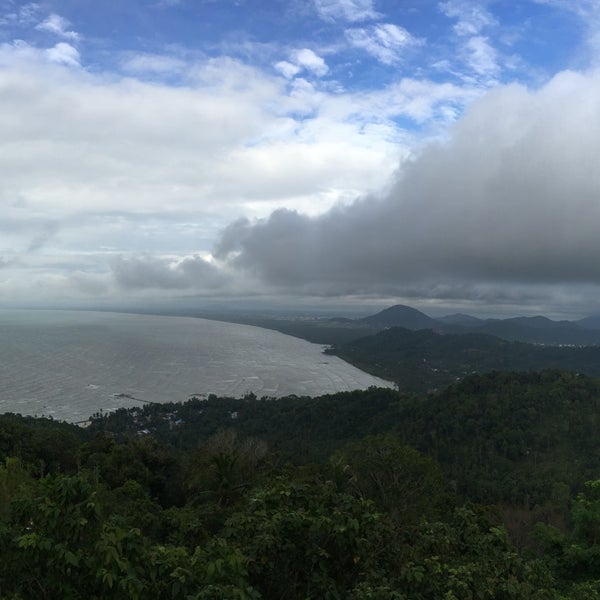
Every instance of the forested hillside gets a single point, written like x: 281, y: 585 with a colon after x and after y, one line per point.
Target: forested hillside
x: 420, y: 361
x: 478, y: 491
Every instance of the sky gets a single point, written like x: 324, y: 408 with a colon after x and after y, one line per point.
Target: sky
x: 441, y: 154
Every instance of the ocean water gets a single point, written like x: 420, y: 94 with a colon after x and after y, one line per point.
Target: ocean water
x: 72, y: 364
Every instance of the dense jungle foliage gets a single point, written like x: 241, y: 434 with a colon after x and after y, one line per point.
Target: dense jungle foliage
x: 488, y: 489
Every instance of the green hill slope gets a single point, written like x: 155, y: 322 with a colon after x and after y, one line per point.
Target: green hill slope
x: 421, y: 361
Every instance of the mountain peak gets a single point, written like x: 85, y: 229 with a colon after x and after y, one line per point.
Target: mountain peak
x: 401, y: 315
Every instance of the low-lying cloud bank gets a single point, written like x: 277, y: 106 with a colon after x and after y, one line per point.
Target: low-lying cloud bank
x: 147, y: 272
x: 510, y: 198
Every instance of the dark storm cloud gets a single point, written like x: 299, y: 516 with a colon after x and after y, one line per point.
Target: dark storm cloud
x: 511, y: 197
x: 146, y: 272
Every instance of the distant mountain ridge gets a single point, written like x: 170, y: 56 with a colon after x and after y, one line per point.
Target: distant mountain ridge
x: 338, y: 330
x: 537, y: 330
x: 592, y: 322
x: 461, y: 319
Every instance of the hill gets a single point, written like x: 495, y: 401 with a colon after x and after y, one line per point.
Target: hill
x: 483, y: 429
x: 401, y: 316
x: 419, y: 361
x: 533, y: 330
x: 591, y: 322
x: 513, y: 437
x: 224, y: 498
x: 327, y: 330
x: 540, y: 330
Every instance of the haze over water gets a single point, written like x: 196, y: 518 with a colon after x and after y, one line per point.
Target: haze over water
x: 70, y: 365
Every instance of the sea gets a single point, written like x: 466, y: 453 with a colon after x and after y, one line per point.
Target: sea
x: 69, y: 365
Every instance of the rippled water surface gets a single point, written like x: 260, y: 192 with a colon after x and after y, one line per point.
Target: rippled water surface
x: 71, y: 365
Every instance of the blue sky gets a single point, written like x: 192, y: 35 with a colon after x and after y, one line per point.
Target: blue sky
x: 360, y: 42
x: 216, y: 149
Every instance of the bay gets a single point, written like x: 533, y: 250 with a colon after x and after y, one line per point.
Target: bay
x: 72, y: 364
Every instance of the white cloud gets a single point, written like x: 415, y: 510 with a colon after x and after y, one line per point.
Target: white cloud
x: 311, y: 62
x: 18, y: 51
x: 20, y: 54
x: 482, y: 57
x: 505, y: 209
x: 472, y: 16
x: 475, y: 49
x: 90, y: 161
x: 153, y: 63
x: 96, y: 165
x: 26, y: 15
x: 287, y: 69
x: 386, y: 42
x: 302, y: 60
x: 64, y: 54
x: 346, y: 10
x: 59, y: 26
x: 422, y: 101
